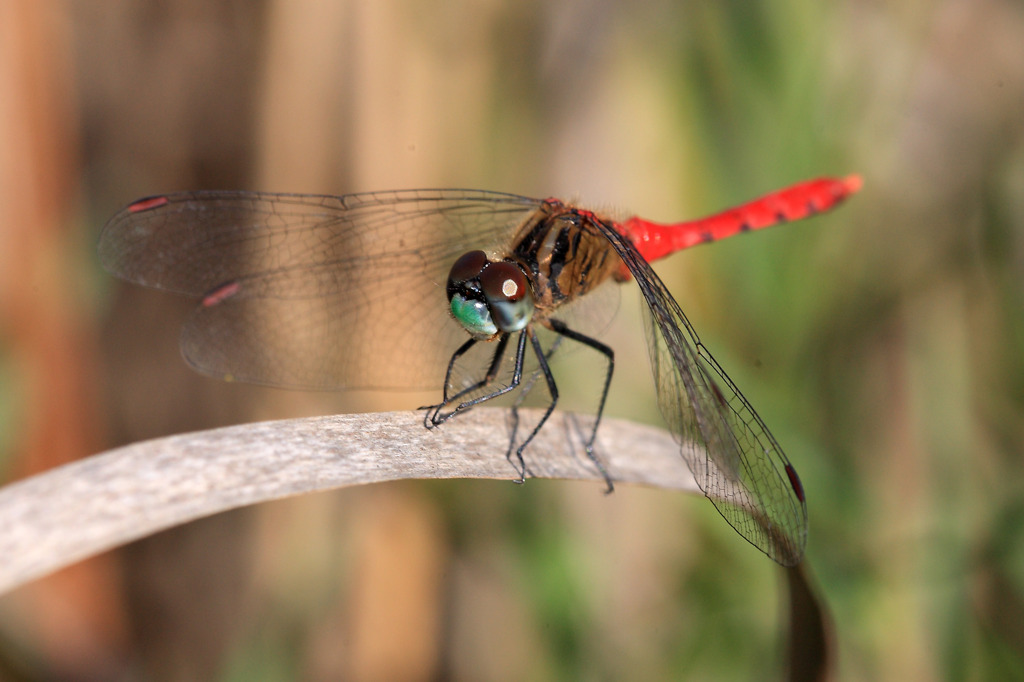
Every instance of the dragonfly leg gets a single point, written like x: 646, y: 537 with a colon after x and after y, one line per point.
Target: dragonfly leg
x: 432, y: 410
x: 434, y: 415
x: 552, y: 389
x: 560, y: 328
x: 525, y: 388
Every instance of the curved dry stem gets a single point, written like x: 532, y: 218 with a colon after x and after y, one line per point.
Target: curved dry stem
x: 78, y: 510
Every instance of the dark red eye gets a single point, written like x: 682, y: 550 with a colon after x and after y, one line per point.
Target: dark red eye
x: 509, y: 295
x: 467, y: 267
x: 503, y: 282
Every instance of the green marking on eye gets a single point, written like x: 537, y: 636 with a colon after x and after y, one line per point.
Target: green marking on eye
x: 473, y: 316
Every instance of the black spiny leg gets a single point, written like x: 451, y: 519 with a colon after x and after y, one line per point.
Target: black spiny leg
x: 492, y: 372
x: 560, y: 328
x: 428, y: 418
x: 552, y: 389
x: 433, y: 416
x: 525, y: 388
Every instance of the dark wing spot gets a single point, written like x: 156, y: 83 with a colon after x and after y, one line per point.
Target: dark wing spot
x: 147, y: 204
x: 718, y: 394
x: 221, y: 292
x: 794, y: 482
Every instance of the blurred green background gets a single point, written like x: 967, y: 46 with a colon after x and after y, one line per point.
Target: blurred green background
x: 882, y: 343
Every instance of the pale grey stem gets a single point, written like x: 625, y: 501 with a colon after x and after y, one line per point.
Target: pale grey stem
x: 78, y: 510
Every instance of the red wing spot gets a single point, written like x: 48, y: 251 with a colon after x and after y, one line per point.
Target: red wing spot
x: 794, y: 482
x: 718, y: 394
x: 706, y: 237
x: 221, y: 293
x: 147, y: 204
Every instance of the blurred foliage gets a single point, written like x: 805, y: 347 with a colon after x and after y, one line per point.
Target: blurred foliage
x: 882, y: 343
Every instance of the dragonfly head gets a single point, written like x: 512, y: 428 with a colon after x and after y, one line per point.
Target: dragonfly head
x: 489, y: 297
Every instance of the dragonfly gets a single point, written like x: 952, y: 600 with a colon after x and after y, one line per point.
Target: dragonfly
x: 403, y: 289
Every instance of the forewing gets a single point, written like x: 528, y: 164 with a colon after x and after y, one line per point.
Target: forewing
x: 310, y: 291
x: 733, y: 457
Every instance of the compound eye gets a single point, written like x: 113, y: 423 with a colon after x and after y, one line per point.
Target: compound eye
x: 474, y: 316
x: 503, y: 282
x: 467, y: 267
x: 467, y: 302
x: 509, y: 295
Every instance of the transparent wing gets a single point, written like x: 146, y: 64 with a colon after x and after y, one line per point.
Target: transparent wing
x: 315, y: 292
x: 733, y: 457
